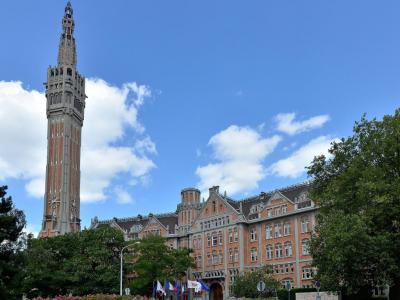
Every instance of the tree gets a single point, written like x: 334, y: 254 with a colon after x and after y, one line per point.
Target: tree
x: 356, y: 245
x: 60, y: 265
x: 12, y: 222
x: 245, y: 285
x: 154, y: 260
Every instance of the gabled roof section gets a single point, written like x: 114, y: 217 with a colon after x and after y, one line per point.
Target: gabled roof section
x: 168, y: 219
x: 230, y: 203
x: 290, y: 193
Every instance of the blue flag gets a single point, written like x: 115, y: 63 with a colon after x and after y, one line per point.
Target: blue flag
x: 154, y: 290
x: 204, y: 286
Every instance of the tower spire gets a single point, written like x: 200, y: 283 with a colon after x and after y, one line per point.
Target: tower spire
x: 67, y: 48
x: 65, y: 108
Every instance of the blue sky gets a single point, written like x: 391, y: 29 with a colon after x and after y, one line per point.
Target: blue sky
x: 184, y: 93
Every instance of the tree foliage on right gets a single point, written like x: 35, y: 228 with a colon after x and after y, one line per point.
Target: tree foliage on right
x: 356, y: 245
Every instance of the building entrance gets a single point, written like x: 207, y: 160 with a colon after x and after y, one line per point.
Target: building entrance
x: 216, y: 291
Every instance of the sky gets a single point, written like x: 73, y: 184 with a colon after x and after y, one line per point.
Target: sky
x: 240, y: 94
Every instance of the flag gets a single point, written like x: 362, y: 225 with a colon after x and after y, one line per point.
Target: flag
x: 168, y: 286
x: 204, y: 286
x: 160, y: 288
x: 194, y: 285
x: 154, y: 290
x: 177, y: 287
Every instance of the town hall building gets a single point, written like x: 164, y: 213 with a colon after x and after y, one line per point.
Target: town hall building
x: 230, y: 236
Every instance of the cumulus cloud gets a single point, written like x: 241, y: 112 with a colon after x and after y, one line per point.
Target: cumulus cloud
x: 123, y: 197
x: 239, y: 153
x: 111, y: 113
x: 294, y: 165
x: 286, y: 123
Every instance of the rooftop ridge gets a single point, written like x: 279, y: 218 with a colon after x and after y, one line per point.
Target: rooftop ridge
x: 137, y: 218
x: 283, y: 189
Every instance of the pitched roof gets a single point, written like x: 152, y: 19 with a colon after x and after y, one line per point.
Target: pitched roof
x: 168, y: 219
x: 291, y: 192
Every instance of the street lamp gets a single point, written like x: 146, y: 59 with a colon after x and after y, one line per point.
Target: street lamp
x: 121, y: 256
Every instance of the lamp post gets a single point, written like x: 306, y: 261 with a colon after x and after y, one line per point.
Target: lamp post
x: 121, y: 257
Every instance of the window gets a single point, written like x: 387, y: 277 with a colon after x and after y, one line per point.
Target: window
x: 199, y: 261
x: 268, y: 232
x: 220, y: 238
x: 214, y: 205
x: 208, y: 241
x: 305, y: 223
x: 287, y: 282
x: 214, y: 258
x: 278, y: 250
x: 253, y: 254
x: 230, y: 236
x: 284, y: 209
x: 235, y: 234
x: 214, y: 240
x: 286, y: 229
x: 307, y: 273
x: 288, y: 249
x: 277, y: 211
x: 209, y: 259
x: 269, y: 252
x: 195, y: 244
x: 221, y: 257
x: 253, y: 234
x: 236, y: 255
x: 230, y: 255
x: 278, y: 230
x: 269, y: 212
x: 305, y: 246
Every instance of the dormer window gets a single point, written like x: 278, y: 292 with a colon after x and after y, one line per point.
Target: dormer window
x: 303, y: 201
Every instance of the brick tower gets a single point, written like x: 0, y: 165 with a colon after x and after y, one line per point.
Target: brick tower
x: 65, y: 93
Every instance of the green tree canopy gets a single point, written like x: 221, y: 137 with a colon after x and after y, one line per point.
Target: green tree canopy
x: 154, y: 260
x: 357, y: 241
x: 79, y: 263
x: 245, y: 284
x: 12, y: 222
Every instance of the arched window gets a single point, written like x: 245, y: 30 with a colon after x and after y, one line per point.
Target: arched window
x: 253, y: 254
x: 305, y: 247
x: 305, y: 225
x: 288, y: 249
x: 269, y: 252
x: 253, y: 234
x: 236, y: 255
x: 278, y: 250
x: 69, y: 71
x: 268, y: 232
x: 230, y: 255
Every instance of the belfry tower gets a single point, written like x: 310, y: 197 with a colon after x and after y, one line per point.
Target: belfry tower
x: 65, y: 93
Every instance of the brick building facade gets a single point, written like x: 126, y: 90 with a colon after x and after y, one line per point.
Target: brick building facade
x: 230, y: 236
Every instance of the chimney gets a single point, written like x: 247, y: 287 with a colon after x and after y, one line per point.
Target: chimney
x: 214, y: 189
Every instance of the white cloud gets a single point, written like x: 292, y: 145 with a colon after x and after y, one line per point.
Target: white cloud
x: 294, y: 165
x: 123, y: 197
x: 111, y: 113
x: 239, y: 152
x: 286, y: 123
x: 33, y: 229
